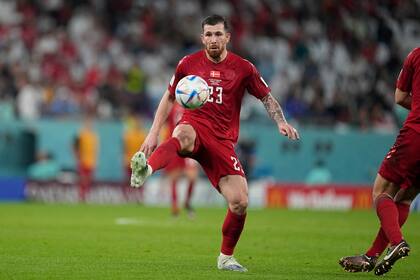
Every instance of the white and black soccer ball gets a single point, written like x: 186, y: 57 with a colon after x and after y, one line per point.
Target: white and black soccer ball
x: 192, y: 92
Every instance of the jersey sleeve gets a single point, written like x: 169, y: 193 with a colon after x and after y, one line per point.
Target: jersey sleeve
x: 405, y: 77
x: 178, y: 75
x: 256, y: 84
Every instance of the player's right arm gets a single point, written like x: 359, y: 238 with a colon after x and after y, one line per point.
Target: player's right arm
x: 403, y: 98
x: 162, y: 112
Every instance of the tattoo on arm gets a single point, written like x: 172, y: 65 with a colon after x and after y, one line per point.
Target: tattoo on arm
x: 273, y: 108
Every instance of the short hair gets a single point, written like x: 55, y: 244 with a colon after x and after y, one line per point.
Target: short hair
x: 213, y: 20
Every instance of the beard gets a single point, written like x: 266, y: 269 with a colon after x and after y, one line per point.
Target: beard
x: 215, y: 53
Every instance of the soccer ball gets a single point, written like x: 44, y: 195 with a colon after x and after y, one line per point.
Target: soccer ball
x: 192, y: 92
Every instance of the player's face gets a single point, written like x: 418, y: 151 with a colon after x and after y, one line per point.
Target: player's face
x: 215, y: 39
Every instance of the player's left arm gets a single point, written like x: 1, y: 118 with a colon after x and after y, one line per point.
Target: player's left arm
x: 405, y: 80
x: 276, y: 113
x: 403, y: 98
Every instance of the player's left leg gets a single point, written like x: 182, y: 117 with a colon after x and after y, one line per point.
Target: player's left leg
x: 402, y: 200
x: 235, y: 190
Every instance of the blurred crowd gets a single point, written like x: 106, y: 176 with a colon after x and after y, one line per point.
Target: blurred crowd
x: 328, y: 62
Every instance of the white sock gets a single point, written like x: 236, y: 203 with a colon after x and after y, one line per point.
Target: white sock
x: 223, y: 255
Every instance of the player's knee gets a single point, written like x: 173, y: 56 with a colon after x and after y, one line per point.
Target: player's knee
x: 239, y: 206
x: 186, y: 140
x: 375, y: 194
x: 383, y: 187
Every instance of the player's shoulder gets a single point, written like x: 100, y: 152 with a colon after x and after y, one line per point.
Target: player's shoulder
x: 414, y: 54
x: 191, y: 57
x: 239, y: 59
x: 243, y: 62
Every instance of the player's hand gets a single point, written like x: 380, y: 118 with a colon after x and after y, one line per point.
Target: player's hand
x: 150, y: 144
x: 288, y: 130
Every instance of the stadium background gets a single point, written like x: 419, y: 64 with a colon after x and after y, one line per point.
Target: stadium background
x: 332, y: 65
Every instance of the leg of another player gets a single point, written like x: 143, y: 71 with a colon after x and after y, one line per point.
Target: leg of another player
x: 403, y: 200
x: 191, y: 173
x: 85, y: 181
x: 384, y: 192
x: 235, y: 190
x: 173, y: 179
x: 388, y: 213
x: 392, y: 206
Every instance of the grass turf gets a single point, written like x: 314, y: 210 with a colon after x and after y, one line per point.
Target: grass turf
x: 40, y: 241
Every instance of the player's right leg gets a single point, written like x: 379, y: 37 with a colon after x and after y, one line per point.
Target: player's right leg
x: 383, y: 194
x: 403, y: 199
x: 182, y: 141
x: 394, y: 253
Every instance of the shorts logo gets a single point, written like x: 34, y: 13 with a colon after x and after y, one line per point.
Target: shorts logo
x: 215, y: 74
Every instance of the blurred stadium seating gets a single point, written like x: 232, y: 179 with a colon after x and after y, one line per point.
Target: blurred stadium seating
x: 331, y: 64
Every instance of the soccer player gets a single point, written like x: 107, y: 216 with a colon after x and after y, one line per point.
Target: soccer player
x: 398, y: 180
x: 179, y: 167
x: 85, y: 148
x: 210, y: 133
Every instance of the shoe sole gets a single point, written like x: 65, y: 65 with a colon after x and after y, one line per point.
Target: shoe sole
x: 386, y: 265
x: 140, y: 163
x: 242, y: 269
x: 138, y: 166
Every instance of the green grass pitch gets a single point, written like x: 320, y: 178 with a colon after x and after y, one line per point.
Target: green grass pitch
x: 40, y: 241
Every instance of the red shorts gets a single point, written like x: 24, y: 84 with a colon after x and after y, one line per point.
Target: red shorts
x: 216, y: 156
x: 401, y: 165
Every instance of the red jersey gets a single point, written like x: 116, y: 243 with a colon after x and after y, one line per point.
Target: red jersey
x: 409, y: 81
x: 228, y: 81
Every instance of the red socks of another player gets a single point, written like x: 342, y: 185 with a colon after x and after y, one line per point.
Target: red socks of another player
x: 387, y: 212
x: 164, y: 153
x: 392, y: 216
x: 381, y: 241
x: 174, y: 198
x: 189, y: 194
x: 232, y: 229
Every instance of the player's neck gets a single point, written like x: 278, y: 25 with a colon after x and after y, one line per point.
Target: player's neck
x: 218, y: 59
